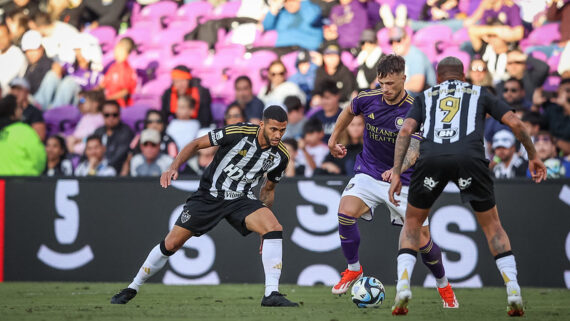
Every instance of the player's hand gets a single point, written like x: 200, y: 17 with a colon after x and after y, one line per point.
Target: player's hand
x: 167, y: 177
x: 537, y: 170
x: 395, y: 188
x: 337, y: 150
x: 387, y: 175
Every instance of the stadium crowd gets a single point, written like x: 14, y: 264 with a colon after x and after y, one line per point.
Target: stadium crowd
x: 118, y: 87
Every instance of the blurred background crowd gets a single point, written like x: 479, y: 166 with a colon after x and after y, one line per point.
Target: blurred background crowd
x: 118, y: 87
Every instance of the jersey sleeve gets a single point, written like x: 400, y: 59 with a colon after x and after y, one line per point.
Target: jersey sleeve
x: 355, y: 106
x: 277, y: 173
x: 230, y: 134
x: 416, y: 111
x: 493, y: 105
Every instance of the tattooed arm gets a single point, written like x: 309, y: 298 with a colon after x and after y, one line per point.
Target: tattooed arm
x: 267, y: 193
x: 402, y: 144
x: 410, y: 159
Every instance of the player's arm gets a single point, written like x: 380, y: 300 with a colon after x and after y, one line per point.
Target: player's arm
x: 535, y: 165
x: 409, y: 160
x: 402, y: 145
x: 267, y: 193
x: 185, y: 154
x: 342, y: 122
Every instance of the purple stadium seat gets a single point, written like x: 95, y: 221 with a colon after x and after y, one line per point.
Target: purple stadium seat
x: 106, y: 36
x: 266, y: 39
x: 289, y: 62
x: 156, y: 87
x: 62, y: 120
x: 227, y: 10
x: 153, y: 101
x: 553, y: 62
x: 226, y: 56
x: 455, y: 52
x: 168, y: 37
x: 544, y: 35
x: 193, y: 11
x: 349, y: 60
x: 539, y: 55
x: 134, y: 117
x: 428, y: 38
x: 551, y: 83
x: 141, y: 36
x: 158, y: 9
x: 460, y: 36
x: 218, y: 108
x: 192, y: 45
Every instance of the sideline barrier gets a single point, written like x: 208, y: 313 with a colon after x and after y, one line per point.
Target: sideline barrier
x: 102, y: 230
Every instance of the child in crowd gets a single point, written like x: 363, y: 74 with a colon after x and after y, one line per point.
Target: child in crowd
x: 120, y: 81
x: 183, y: 128
x: 90, y: 104
x: 312, y: 150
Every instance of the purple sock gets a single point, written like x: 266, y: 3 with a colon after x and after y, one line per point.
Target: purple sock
x: 349, y: 237
x: 431, y: 256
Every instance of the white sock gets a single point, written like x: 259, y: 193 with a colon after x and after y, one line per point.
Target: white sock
x: 406, y: 264
x: 442, y: 283
x: 272, y: 263
x: 153, y: 263
x: 354, y: 266
x: 508, y: 268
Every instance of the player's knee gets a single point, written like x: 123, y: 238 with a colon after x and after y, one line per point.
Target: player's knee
x: 424, y: 234
x: 171, y: 244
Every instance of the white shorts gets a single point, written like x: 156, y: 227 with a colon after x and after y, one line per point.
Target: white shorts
x: 373, y: 193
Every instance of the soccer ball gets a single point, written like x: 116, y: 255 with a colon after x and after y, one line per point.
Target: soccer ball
x: 368, y: 292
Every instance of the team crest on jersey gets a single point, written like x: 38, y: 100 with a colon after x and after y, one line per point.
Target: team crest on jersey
x: 399, y: 122
x: 349, y: 186
x: 185, y: 216
x: 267, y: 163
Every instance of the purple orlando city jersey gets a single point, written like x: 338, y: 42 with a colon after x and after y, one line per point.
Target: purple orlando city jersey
x: 382, y: 124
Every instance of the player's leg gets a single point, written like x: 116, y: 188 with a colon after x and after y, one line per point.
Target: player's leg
x: 264, y: 223
x: 500, y: 248
x: 154, y: 262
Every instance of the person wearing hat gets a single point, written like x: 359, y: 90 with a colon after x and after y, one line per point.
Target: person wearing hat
x: 39, y: 65
x: 368, y: 58
x: 305, y: 75
x: 20, y: 88
x: 334, y: 70
x: 351, y: 19
x: 12, y: 60
x: 183, y: 84
x: 509, y: 163
x: 151, y: 161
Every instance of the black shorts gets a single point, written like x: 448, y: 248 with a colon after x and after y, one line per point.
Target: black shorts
x: 471, y: 175
x: 203, y: 212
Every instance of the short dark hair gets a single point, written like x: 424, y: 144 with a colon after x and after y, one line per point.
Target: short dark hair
x: 312, y: 125
x: 97, y: 96
x: 330, y: 87
x: 518, y: 81
x: 94, y: 137
x: 243, y: 78
x: 450, y: 66
x: 292, y: 142
x: 130, y: 42
x: 8, y: 106
x: 42, y: 19
x: 61, y: 142
x: 154, y: 111
x: 276, y: 113
x: 234, y: 105
x: 564, y: 81
x: 293, y: 103
x: 191, y: 101
x: 181, y: 68
x: 390, y: 64
x: 113, y: 103
x: 532, y: 117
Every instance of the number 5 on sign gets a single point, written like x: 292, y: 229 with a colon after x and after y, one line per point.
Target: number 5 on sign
x: 451, y: 106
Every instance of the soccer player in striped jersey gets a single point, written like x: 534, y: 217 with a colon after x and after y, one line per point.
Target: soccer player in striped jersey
x: 383, y: 111
x: 453, y: 117
x: 246, y: 153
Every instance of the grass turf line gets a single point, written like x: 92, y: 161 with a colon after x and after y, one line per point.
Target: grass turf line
x: 90, y: 301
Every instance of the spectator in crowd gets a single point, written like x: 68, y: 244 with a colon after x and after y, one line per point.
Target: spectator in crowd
x: 330, y: 103
x: 115, y: 135
x: 297, y: 22
x: 558, y: 10
x: 441, y: 12
x: 372, y: 14
x: 334, y: 70
x: 32, y: 116
x: 419, y: 70
x: 183, y: 129
x: 103, y: 12
x: 326, y: 6
x: 90, y: 106
x: 501, y: 18
x: 532, y: 121
x: 57, y: 37
x: 506, y: 162
x: 233, y: 115
x: 28, y: 7
x: 39, y: 72
x: 352, y: 139
x: 531, y: 71
x: 312, y: 150
x: 68, y: 11
x: 17, y: 22
x: 514, y: 94
x: 56, y: 154
x: 390, y: 19
x: 12, y: 61
x: 556, y: 167
x: 183, y: 84
x: 478, y: 74
x: 557, y: 116
x: 293, y: 169
x: 120, y: 80
x: 198, y: 164
x: 22, y: 153
x: 151, y: 161
x: 330, y: 32
x: 277, y: 87
x: 247, y: 101
x: 367, y: 59
x: 95, y: 163
x: 305, y: 75
x: 295, y: 116
x: 351, y: 19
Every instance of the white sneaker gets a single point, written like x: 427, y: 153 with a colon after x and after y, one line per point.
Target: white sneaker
x: 514, y: 302
x: 403, y: 296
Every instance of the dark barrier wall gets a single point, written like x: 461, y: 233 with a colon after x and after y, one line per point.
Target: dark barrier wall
x: 102, y: 230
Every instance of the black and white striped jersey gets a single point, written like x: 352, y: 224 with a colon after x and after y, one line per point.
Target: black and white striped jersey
x: 240, y: 162
x: 452, y: 115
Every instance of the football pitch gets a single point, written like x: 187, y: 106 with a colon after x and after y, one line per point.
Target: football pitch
x: 90, y: 301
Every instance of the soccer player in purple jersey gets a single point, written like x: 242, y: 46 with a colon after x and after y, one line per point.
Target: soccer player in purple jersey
x: 384, y: 111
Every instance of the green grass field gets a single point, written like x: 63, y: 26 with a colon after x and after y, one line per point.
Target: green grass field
x: 90, y: 301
